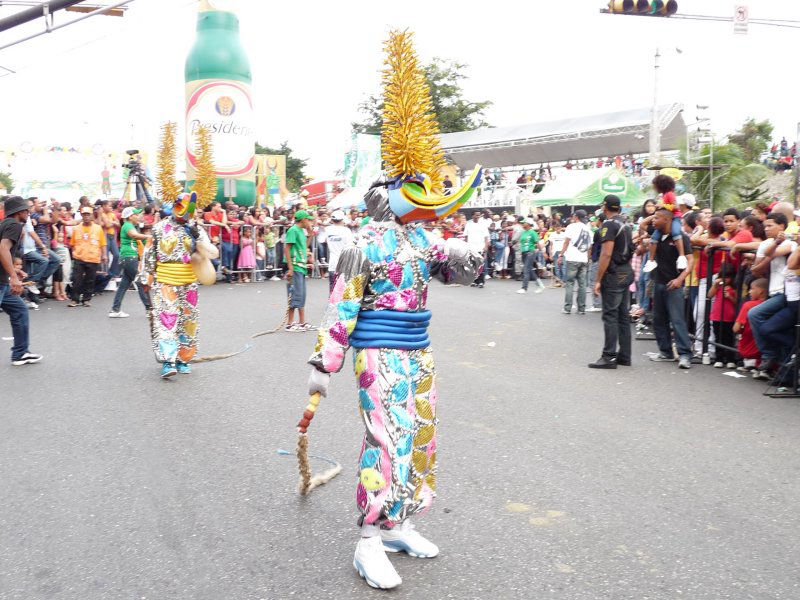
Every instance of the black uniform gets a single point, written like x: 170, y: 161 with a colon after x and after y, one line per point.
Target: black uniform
x: 615, y: 291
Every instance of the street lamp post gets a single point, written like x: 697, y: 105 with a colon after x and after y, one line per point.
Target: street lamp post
x: 655, y: 132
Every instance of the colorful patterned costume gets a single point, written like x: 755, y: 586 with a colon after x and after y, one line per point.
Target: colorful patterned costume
x: 389, y: 271
x: 168, y: 271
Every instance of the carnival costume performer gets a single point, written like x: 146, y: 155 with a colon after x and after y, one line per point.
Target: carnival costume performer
x: 168, y: 271
x: 378, y: 307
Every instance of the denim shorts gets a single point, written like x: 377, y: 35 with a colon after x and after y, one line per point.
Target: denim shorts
x: 297, y: 291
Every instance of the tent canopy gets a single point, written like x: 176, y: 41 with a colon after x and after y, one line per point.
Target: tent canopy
x: 610, y: 134
x: 588, y: 188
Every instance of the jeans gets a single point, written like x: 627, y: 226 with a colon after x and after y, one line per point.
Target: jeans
x: 669, y: 308
x: 528, y: 270
x: 35, y: 265
x: 579, y: 271
x: 597, y: 301
x: 129, y: 269
x: 227, y: 254
x: 616, y: 296
x: 322, y: 252
x: 641, y: 289
x: 758, y: 316
x: 113, y: 252
x: 271, y: 257
x: 559, y: 270
x: 83, y: 278
x: 17, y: 311
x: 779, y: 331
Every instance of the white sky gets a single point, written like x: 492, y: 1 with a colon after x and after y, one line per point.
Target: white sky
x: 114, y: 80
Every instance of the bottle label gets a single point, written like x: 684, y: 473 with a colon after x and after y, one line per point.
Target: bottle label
x: 225, y: 108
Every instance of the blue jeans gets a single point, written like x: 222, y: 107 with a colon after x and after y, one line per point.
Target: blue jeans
x: 17, y: 311
x: 35, y: 265
x: 113, y: 252
x: 528, y: 269
x: 559, y: 270
x: 597, y: 301
x: 641, y: 288
x: 227, y: 253
x: 779, y: 331
x: 669, y: 307
x: 296, y: 288
x: 130, y: 269
x: 579, y: 271
x: 758, y: 316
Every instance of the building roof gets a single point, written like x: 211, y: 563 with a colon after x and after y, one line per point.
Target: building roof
x: 576, y: 138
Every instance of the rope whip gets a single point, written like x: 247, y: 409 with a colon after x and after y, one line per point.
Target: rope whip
x: 307, y: 481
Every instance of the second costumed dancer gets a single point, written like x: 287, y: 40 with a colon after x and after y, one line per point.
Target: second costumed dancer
x: 378, y: 307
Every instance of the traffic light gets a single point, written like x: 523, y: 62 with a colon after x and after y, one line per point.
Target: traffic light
x: 649, y: 8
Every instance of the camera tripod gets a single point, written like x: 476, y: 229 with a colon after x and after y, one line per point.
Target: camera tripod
x: 140, y: 182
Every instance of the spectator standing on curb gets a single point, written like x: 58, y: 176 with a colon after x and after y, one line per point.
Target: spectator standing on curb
x: 668, y: 296
x: 298, y: 261
x: 594, y: 256
x: 43, y: 219
x: 529, y: 243
x: 575, y: 252
x: 614, y: 277
x: 88, y: 252
x: 129, y: 262
x: 339, y: 237
x: 16, y: 214
x: 109, y: 222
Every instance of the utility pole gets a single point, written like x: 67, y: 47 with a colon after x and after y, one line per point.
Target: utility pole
x: 797, y: 171
x: 655, y: 128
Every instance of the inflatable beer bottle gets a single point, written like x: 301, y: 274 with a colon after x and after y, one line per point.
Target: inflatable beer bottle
x: 218, y: 97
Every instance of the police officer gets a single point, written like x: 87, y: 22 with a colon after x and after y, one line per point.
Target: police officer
x: 614, y: 277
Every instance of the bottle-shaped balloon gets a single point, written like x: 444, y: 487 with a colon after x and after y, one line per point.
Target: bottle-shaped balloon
x: 218, y: 96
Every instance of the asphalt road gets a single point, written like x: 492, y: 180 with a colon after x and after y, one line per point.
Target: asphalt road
x: 555, y: 481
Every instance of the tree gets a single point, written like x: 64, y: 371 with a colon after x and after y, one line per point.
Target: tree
x: 452, y: 111
x: 6, y: 182
x: 294, y: 166
x: 753, y: 138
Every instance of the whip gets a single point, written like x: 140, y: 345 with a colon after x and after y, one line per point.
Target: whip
x: 307, y: 482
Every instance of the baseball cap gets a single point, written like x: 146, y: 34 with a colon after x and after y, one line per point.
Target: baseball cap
x: 581, y: 214
x: 300, y: 215
x: 687, y: 199
x: 337, y: 215
x: 612, y: 202
x: 127, y: 212
x: 87, y: 210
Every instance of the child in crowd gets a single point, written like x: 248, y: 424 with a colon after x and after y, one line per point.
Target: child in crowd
x: 247, y: 256
x: 748, y: 349
x: 270, y: 240
x: 723, y: 314
x: 665, y: 185
x: 261, y: 255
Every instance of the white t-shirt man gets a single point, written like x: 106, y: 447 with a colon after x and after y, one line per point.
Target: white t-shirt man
x: 777, y: 267
x: 580, y: 241
x: 477, y: 235
x: 339, y: 237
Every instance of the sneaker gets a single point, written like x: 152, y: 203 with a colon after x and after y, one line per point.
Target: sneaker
x: 682, y: 263
x: 564, y: 311
x: 274, y: 278
x: 295, y: 327
x: 33, y: 289
x: 73, y: 304
x: 480, y: 285
x: 111, y: 286
x: 719, y: 364
x: 404, y: 538
x: 118, y: 315
x: 27, y: 359
x: 594, y: 309
x: 650, y: 266
x: 660, y: 357
x: 183, y: 368
x: 168, y: 370
x: 761, y: 374
x: 731, y: 365
x: 307, y: 327
x: 373, y: 565
x: 538, y: 289
x: 86, y: 304
x: 33, y: 306
x: 685, y: 362
x: 603, y: 363
x: 522, y: 291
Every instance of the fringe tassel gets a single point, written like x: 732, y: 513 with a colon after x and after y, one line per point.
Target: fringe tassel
x: 307, y: 482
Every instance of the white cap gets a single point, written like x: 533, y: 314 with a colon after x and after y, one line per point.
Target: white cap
x: 127, y: 212
x: 337, y: 215
x: 529, y: 221
x: 687, y: 199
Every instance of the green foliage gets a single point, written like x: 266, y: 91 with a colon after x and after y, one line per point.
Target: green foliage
x: 294, y: 166
x: 453, y: 112
x: 736, y: 180
x: 6, y: 182
x: 753, y: 138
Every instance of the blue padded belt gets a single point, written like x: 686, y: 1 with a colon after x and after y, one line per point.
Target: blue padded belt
x: 391, y: 329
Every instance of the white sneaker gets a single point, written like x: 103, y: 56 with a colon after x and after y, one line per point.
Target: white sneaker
x: 405, y: 538
x: 33, y: 289
x: 731, y: 365
x: 373, y: 565
x: 27, y: 359
x: 522, y: 291
x: 650, y: 266
x: 539, y: 289
x: 594, y: 309
x: 111, y: 286
x: 274, y: 278
x: 682, y: 263
x: 118, y: 315
x: 719, y: 364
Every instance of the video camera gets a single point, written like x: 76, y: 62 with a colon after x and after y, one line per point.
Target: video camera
x: 134, y: 165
